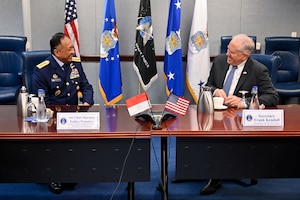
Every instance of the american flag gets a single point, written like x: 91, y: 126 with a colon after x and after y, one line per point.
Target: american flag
x: 177, y: 104
x: 71, y: 24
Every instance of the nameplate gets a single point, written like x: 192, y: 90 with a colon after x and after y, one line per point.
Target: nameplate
x: 263, y: 117
x: 78, y: 120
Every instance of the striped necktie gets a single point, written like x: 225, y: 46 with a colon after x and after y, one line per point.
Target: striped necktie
x: 228, y: 81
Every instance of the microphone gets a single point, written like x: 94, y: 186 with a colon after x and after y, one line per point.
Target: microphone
x: 156, y: 117
x: 157, y: 122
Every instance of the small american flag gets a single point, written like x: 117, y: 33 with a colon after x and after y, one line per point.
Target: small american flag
x: 177, y: 104
x: 71, y: 24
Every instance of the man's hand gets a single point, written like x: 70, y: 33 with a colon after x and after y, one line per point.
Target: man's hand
x: 220, y: 93
x: 232, y: 101
x: 86, y: 104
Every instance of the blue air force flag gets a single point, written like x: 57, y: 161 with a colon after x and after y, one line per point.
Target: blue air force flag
x: 173, y: 72
x: 144, y: 62
x: 110, y: 81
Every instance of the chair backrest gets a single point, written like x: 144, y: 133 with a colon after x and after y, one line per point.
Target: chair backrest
x: 271, y: 62
x: 11, y: 66
x: 30, y: 60
x: 287, y: 48
x: 226, y: 39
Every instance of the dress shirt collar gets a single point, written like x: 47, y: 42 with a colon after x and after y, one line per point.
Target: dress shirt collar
x: 58, y: 61
x: 241, y: 65
x: 236, y: 76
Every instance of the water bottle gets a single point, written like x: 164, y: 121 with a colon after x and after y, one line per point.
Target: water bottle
x: 254, y: 103
x: 41, y: 114
x: 22, y: 102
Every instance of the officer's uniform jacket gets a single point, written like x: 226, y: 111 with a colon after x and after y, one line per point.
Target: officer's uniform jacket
x: 62, y: 87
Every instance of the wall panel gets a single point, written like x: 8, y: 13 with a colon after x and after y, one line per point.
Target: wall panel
x: 225, y: 17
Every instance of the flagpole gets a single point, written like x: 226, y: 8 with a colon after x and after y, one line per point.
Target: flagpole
x: 171, y: 91
x: 151, y: 111
x: 165, y: 106
x: 139, y: 88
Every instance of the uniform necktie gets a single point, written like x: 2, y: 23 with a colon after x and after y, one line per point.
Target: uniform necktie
x: 64, y: 67
x: 228, y: 81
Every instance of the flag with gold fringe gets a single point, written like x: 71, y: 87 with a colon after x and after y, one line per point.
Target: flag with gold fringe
x: 110, y: 80
x: 173, y: 71
x: 198, y: 58
x: 144, y: 61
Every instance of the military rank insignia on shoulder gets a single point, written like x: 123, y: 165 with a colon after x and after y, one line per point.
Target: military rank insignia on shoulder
x: 43, y: 64
x: 76, y: 59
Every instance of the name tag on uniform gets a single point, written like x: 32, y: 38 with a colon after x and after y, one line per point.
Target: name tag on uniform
x: 263, y: 117
x: 78, y: 121
x: 53, y: 80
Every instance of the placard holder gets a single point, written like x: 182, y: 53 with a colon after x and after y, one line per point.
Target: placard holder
x: 78, y: 121
x: 265, y: 117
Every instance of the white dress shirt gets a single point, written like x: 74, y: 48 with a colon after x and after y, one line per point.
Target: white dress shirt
x: 236, y: 77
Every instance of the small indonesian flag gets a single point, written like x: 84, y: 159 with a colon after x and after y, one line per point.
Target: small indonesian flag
x: 138, y: 104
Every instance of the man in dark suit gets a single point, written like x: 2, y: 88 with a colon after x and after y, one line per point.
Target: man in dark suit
x: 62, y: 78
x: 248, y: 72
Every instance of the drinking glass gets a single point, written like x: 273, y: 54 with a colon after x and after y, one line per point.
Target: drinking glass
x: 243, y: 103
x: 31, y: 109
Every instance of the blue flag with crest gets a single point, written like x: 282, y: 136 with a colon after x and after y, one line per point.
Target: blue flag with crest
x: 110, y: 80
x: 173, y: 71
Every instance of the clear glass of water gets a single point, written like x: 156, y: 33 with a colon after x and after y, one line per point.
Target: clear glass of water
x: 31, y: 109
x: 243, y: 103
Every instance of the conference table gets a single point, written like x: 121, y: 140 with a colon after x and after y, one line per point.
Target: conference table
x: 37, y: 152
x: 218, y: 146
x: 207, y: 146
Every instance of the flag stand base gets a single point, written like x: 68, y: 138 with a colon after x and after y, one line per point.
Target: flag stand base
x: 155, y: 117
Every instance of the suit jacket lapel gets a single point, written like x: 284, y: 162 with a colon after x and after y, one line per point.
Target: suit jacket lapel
x: 243, y: 77
x: 223, y: 75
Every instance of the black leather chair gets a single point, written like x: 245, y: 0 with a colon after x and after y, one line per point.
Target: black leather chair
x: 271, y: 62
x: 287, y: 48
x: 11, y: 66
x: 226, y: 39
x: 30, y: 60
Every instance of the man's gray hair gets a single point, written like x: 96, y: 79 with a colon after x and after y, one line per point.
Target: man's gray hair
x: 247, y: 43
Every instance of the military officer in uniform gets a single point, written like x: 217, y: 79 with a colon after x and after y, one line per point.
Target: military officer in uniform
x: 62, y: 77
